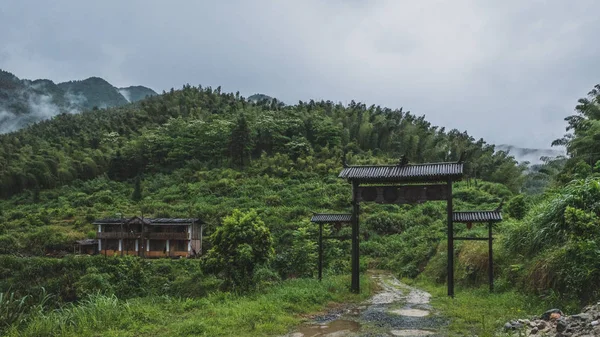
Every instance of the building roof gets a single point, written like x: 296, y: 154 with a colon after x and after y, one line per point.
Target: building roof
x: 328, y: 218
x: 403, y: 173
x: 86, y: 242
x: 173, y: 220
x: 148, y: 221
x: 477, y: 216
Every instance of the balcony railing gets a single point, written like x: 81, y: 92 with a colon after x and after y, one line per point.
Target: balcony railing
x: 144, y: 235
x: 166, y: 236
x: 118, y: 235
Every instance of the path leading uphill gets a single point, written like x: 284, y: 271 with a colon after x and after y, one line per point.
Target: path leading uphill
x: 396, y: 310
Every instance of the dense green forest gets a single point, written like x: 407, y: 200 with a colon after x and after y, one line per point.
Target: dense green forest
x: 265, y: 166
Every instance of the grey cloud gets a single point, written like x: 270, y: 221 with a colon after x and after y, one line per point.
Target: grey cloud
x: 41, y: 107
x: 506, y: 71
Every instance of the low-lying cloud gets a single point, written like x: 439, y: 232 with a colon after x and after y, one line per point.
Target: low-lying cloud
x: 36, y: 107
x: 125, y: 94
x: 40, y: 107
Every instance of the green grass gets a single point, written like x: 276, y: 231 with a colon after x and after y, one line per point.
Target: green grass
x: 220, y: 314
x: 478, y: 312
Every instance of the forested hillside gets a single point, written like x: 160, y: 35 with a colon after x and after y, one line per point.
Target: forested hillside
x: 96, y: 93
x: 24, y: 102
x: 199, y: 152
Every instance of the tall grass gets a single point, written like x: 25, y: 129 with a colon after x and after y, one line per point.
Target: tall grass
x: 96, y: 313
x: 555, y: 248
x: 15, y: 309
x: 219, y: 314
x: 12, y: 309
x: 476, y: 312
x: 545, y: 226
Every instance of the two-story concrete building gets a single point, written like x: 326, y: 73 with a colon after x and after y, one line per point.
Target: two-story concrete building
x: 150, y: 237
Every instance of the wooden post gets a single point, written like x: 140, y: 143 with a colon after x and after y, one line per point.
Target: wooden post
x: 490, y: 258
x: 201, y: 230
x: 121, y: 240
x: 320, y: 251
x: 355, y: 286
x: 450, y: 241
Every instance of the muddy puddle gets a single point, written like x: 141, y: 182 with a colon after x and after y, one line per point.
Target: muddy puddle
x: 410, y: 312
x: 338, y: 327
x: 412, y: 333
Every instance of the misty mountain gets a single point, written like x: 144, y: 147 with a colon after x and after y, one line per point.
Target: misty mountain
x: 136, y: 93
x: 24, y: 102
x: 96, y: 93
x: 531, y: 155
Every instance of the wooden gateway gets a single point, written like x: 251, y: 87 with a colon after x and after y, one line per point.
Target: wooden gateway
x: 150, y: 237
x: 401, y: 184
x: 322, y: 219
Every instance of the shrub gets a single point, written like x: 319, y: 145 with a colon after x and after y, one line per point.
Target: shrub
x: 195, y: 285
x: 517, y: 207
x: 239, y: 245
x: 385, y: 223
x: 472, y: 263
x: 558, y: 239
x: 9, y: 244
x: 265, y: 277
x: 407, y: 253
x: 300, y: 258
x: 93, y: 282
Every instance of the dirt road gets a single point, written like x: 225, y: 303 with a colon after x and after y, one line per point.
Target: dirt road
x: 396, y: 310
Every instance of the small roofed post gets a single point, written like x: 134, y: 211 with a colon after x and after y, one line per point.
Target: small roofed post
x: 321, y: 219
x: 488, y: 217
x: 397, y: 184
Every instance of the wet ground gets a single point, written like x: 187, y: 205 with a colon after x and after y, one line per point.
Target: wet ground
x: 396, y: 310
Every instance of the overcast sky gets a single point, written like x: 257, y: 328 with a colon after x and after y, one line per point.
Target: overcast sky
x: 507, y: 71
